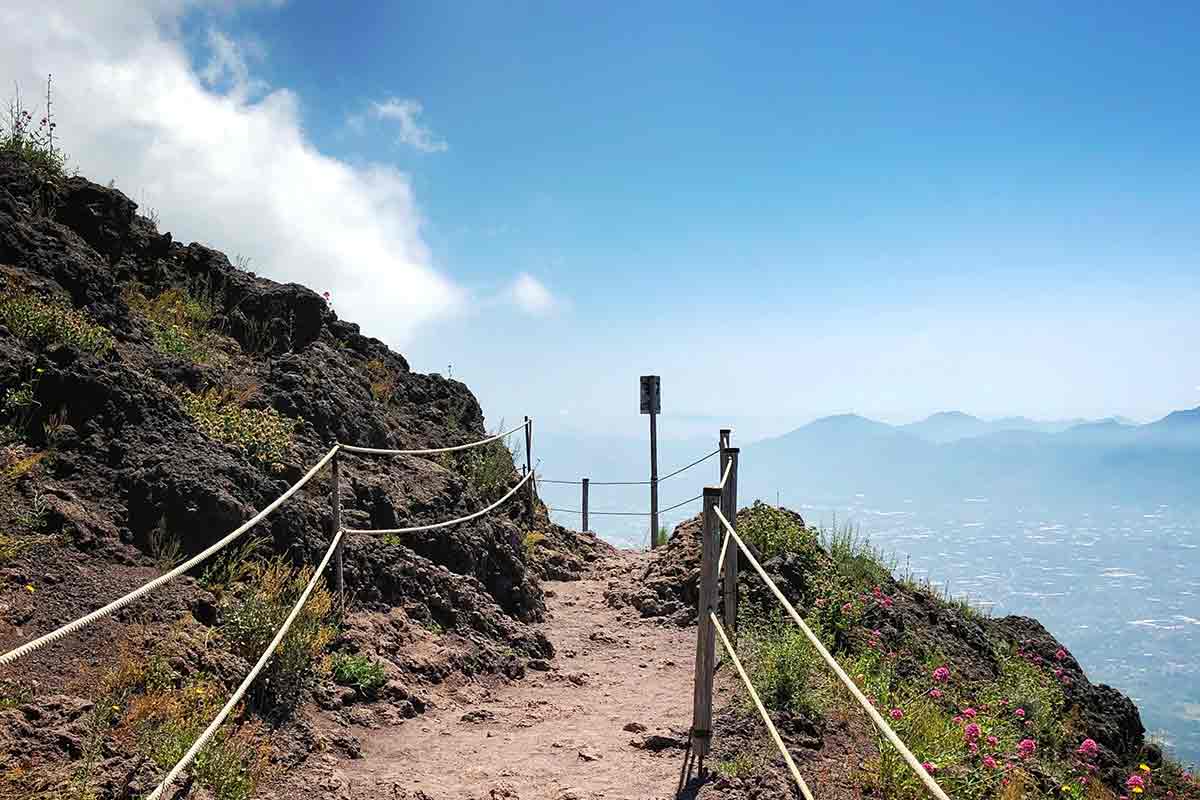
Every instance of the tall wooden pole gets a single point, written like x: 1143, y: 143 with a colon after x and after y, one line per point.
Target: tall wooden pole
x: 729, y: 505
x: 653, y: 480
x: 529, y: 468
x: 585, y: 505
x: 336, y: 524
x: 705, y: 634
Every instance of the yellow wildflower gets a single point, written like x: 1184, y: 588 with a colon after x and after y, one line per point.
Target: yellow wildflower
x: 1137, y: 790
x: 29, y: 588
x: 1143, y: 768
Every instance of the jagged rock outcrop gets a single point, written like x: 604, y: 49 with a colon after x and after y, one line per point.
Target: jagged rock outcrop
x: 104, y: 449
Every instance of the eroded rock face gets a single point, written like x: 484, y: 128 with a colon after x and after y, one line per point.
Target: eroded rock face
x: 126, y: 459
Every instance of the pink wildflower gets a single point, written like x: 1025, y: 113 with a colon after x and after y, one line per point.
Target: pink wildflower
x: 1020, y: 712
x: 929, y: 767
x: 989, y: 762
x: 1136, y: 781
x: 971, y: 732
x: 1060, y: 654
x: 1088, y: 748
x: 969, y: 712
x: 847, y: 608
x: 935, y: 693
x: 1027, y: 748
x: 992, y: 741
x: 896, y: 713
x: 941, y: 674
x: 958, y: 720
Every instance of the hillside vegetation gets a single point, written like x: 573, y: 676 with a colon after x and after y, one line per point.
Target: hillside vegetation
x: 152, y: 397
x: 995, y: 707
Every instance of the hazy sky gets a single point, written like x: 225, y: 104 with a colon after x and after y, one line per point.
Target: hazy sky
x: 787, y: 210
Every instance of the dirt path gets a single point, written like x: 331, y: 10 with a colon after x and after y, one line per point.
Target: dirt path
x: 561, y: 733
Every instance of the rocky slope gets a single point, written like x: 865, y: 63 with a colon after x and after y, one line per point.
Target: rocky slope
x: 890, y: 634
x: 154, y: 397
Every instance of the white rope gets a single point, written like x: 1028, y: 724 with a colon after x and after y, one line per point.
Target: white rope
x: 762, y: 711
x: 211, y: 730
x: 872, y: 712
x: 721, y: 560
x: 450, y: 522
x: 120, y: 603
x: 430, y: 451
x: 725, y: 476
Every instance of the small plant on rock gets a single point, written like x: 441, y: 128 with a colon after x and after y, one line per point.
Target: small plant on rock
x: 360, y: 672
x: 179, y: 322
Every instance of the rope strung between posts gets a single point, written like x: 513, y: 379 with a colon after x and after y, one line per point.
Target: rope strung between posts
x: 236, y: 698
x: 145, y: 589
x: 762, y: 711
x: 450, y: 522
x: 832, y: 663
x: 626, y: 513
x: 431, y: 450
x: 725, y: 476
x: 636, y: 483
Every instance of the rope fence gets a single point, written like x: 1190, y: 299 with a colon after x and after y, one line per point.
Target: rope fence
x: 758, y: 704
x: 145, y: 589
x: 449, y: 522
x: 627, y: 513
x: 237, y: 696
x: 830, y: 661
x: 682, y: 469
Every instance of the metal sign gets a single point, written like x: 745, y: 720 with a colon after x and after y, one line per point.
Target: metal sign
x: 651, y: 397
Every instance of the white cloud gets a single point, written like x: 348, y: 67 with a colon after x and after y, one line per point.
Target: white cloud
x: 531, y: 295
x: 411, y: 132
x: 223, y: 168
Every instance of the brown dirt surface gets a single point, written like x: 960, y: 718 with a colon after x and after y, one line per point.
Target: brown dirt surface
x: 583, y: 724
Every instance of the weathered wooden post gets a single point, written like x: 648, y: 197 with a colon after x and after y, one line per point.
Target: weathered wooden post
x: 336, y: 524
x: 729, y: 503
x: 585, y: 505
x: 652, y: 405
x: 529, y: 469
x: 723, y: 442
x: 705, y: 634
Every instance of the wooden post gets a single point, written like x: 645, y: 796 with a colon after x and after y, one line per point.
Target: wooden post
x: 653, y: 480
x: 585, y: 505
x: 729, y: 505
x: 705, y: 634
x: 529, y: 468
x: 336, y: 524
x: 723, y: 440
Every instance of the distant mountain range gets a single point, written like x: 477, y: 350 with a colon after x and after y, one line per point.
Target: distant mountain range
x: 952, y: 455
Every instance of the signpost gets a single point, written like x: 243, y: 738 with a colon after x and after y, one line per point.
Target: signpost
x: 652, y: 405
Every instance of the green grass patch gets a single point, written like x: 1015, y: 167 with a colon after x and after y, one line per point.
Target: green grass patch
x: 264, y: 435
x: 360, y: 672
x: 179, y: 322
x: 45, y: 321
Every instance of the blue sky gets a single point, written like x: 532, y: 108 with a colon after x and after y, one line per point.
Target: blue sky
x: 788, y: 210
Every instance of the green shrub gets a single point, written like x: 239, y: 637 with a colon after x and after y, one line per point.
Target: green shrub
x: 165, y: 722
x: 264, y: 435
x: 488, y: 468
x: 46, y: 321
x: 234, y: 565
x: 382, y: 380
x: 178, y: 321
x: 362, y: 673
x: 854, y: 557
x: 782, y: 663
x: 774, y: 532
x: 251, y: 619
